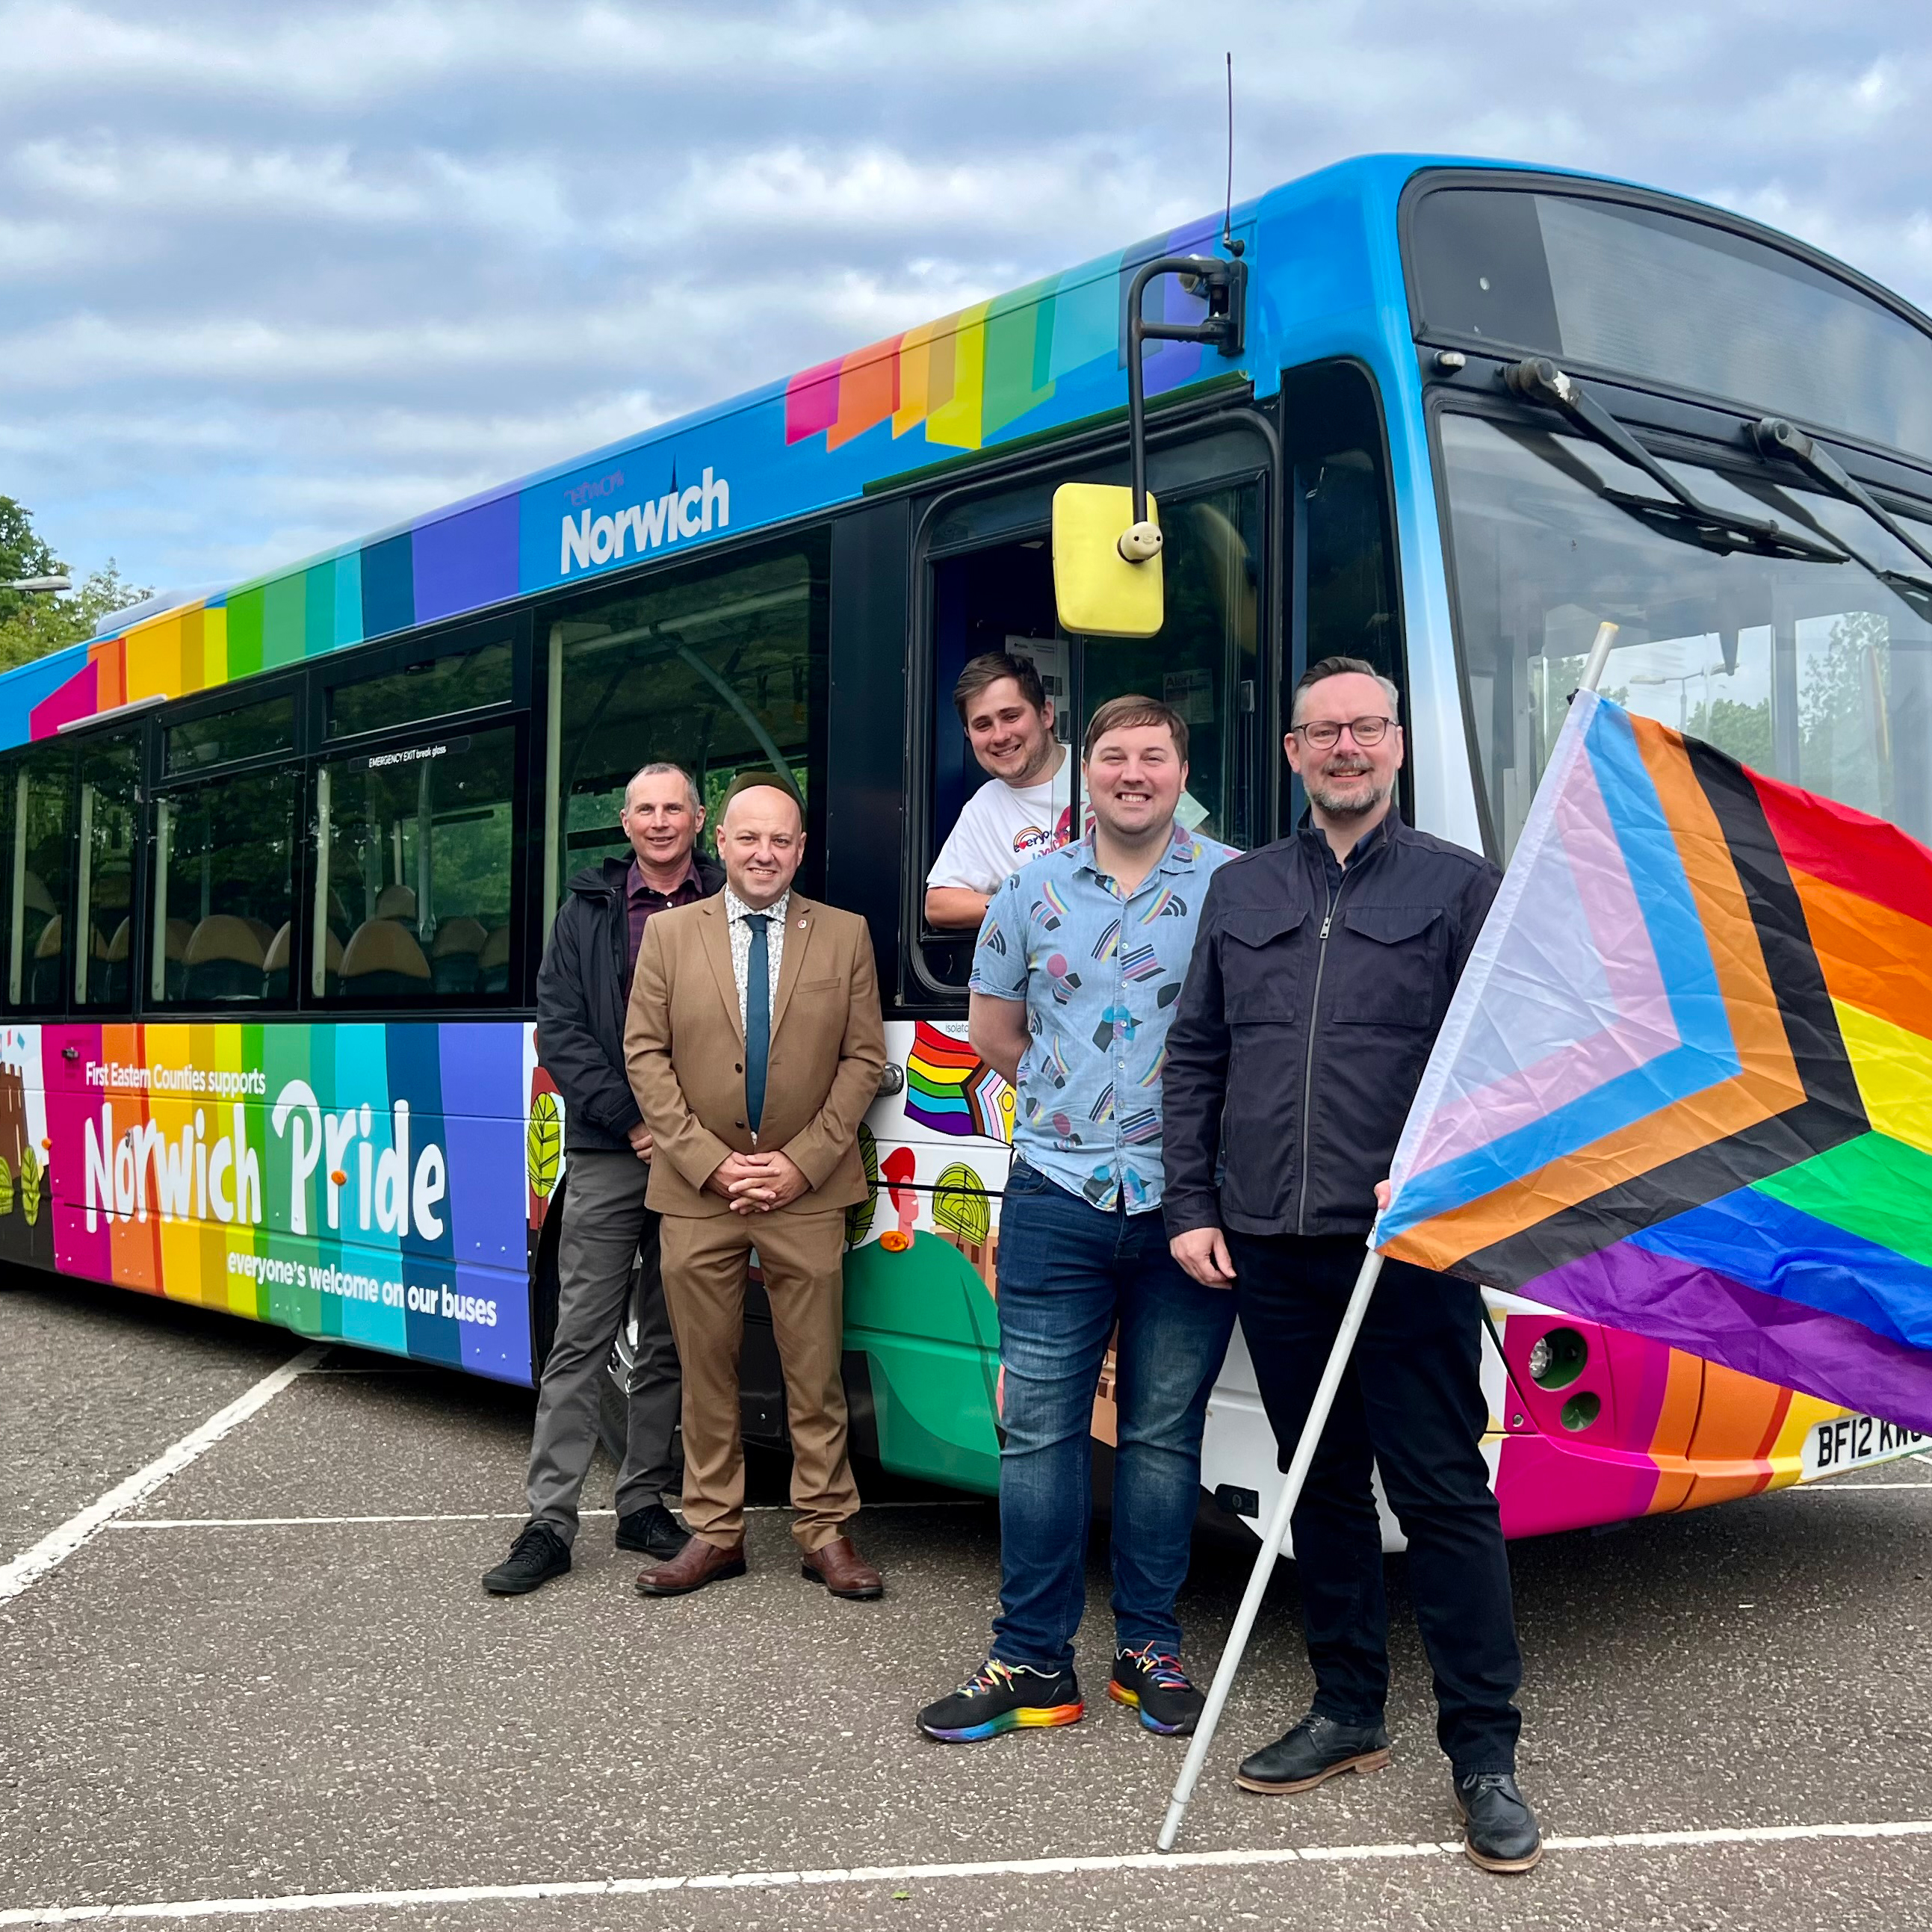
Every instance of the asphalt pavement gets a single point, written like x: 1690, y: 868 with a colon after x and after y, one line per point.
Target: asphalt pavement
x: 275, y: 1684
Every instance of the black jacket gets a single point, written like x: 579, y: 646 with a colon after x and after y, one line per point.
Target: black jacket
x: 582, y: 996
x: 1313, y: 998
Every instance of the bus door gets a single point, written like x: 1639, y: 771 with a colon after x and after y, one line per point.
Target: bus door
x: 984, y: 582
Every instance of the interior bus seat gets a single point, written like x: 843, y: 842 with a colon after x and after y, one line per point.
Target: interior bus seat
x: 260, y: 927
x: 43, y: 982
x: 275, y: 964
x: 397, y: 902
x: 175, y: 937
x: 382, y: 960
x: 113, y: 969
x: 223, y: 960
x: 454, y: 954
x: 493, y: 963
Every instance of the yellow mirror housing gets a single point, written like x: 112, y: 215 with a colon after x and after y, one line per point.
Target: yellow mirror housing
x: 1098, y: 593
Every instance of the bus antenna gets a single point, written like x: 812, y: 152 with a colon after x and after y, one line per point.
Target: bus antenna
x: 1228, y: 241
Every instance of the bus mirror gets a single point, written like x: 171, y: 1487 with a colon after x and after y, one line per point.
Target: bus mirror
x: 1106, y: 567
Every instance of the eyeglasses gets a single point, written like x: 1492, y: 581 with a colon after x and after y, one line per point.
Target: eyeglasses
x: 1366, y: 732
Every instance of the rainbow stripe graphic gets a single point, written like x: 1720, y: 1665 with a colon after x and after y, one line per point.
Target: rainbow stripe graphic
x: 951, y: 1090
x: 968, y: 376
x: 1686, y: 1085
x: 365, y: 1182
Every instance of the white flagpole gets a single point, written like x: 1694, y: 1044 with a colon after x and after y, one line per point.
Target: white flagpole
x: 1203, y: 1739
x: 1277, y: 1534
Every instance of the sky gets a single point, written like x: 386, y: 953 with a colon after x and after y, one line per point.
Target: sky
x: 272, y: 278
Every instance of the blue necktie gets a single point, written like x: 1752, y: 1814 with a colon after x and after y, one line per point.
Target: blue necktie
x: 757, y: 1018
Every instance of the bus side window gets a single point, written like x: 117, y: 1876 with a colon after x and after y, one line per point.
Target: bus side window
x: 413, y: 872
x: 1344, y: 597
x: 223, y: 895
x: 39, y: 869
x: 717, y: 667
x: 1202, y: 661
x: 104, y: 922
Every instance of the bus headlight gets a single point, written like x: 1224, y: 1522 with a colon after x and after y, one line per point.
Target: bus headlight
x: 1557, y: 1358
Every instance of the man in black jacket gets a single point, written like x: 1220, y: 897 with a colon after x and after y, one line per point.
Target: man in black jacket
x: 583, y: 989
x: 1321, y: 974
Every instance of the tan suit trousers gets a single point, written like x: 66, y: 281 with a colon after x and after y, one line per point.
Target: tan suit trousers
x: 706, y: 1259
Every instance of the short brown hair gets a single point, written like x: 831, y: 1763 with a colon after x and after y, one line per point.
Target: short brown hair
x: 1117, y: 714
x: 1328, y: 667
x: 988, y: 668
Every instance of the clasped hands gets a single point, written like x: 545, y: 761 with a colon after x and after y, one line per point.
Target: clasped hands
x: 755, y: 1183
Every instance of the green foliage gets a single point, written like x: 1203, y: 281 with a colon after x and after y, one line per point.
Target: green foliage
x: 6, y: 1188
x: 30, y: 1185
x: 32, y: 624
x: 1742, y: 730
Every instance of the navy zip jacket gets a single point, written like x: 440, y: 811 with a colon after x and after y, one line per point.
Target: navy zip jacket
x: 1314, y: 994
x: 583, y: 994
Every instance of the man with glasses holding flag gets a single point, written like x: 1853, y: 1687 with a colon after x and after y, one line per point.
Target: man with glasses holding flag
x: 1321, y: 974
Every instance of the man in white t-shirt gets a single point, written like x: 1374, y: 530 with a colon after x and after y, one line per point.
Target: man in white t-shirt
x: 1022, y: 810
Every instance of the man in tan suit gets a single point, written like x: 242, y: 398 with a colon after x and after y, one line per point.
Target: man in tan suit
x: 754, y: 1046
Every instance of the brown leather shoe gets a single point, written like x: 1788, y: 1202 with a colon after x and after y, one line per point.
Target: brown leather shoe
x: 697, y: 1563
x: 843, y: 1571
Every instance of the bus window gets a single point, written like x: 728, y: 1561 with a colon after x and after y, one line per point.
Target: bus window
x: 720, y: 670
x: 1344, y: 597
x: 104, y: 884
x: 1202, y: 661
x: 463, y: 680
x: 413, y: 872
x: 224, y: 891
x: 39, y: 871
x: 227, y: 737
x: 1203, y: 655
x: 1818, y: 672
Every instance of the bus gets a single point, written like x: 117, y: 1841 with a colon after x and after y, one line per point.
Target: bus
x: 277, y: 863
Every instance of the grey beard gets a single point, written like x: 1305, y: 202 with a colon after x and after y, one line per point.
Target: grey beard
x: 1338, y: 807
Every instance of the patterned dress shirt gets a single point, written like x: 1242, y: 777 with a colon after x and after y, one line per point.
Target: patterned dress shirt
x: 737, y: 911
x: 1099, y: 976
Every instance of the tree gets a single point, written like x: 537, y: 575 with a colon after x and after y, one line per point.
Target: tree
x: 32, y: 624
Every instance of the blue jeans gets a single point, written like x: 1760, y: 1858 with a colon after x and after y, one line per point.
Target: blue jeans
x: 1068, y: 1273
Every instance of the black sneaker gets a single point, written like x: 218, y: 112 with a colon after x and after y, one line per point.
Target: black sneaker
x: 1152, y: 1682
x: 1499, y: 1830
x: 653, y: 1529
x: 1316, y: 1750
x: 1003, y: 1697
x: 538, y: 1555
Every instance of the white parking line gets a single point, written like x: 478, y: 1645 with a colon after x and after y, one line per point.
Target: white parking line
x: 54, y: 1548
x: 1832, y: 1483
x: 1123, y: 1862
x: 508, y: 1516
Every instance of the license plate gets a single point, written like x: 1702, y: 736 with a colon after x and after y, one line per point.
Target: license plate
x: 1850, y: 1442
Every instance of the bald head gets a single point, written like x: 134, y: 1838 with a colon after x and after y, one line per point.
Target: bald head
x: 761, y: 842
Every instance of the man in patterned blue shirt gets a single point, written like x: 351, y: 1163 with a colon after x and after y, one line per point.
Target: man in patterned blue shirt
x: 1079, y: 967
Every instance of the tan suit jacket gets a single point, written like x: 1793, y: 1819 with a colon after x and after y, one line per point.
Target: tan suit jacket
x: 684, y: 1047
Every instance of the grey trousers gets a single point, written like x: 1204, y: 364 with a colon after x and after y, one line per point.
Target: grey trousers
x: 604, y: 1222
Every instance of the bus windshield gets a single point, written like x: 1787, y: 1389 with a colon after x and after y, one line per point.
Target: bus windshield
x: 1818, y: 672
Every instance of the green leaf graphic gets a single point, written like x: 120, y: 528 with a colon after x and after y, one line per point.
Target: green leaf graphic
x: 544, y: 1144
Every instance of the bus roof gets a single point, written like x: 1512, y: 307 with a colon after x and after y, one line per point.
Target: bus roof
x: 1038, y: 358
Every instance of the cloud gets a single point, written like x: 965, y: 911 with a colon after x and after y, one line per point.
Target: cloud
x: 275, y: 277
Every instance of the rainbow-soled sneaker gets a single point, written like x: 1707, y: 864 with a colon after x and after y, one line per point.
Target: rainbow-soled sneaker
x: 1003, y: 1697
x: 1152, y: 1682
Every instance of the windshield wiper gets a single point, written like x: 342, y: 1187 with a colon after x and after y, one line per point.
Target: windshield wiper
x: 1686, y: 516
x: 1776, y: 437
